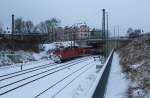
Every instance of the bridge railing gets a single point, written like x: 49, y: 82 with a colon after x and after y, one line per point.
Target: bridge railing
x: 99, y: 87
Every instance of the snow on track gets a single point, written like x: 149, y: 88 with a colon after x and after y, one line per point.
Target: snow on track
x: 15, y: 68
x: 29, y: 72
x: 33, y: 89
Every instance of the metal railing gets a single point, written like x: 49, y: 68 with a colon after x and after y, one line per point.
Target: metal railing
x: 99, y: 87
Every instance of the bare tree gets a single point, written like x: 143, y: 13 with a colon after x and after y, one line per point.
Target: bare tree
x: 36, y: 29
x: 41, y: 28
x: 130, y: 30
x: 54, y: 23
x: 45, y: 27
x: 19, y: 25
x: 29, y: 27
x: 134, y: 33
x: 48, y: 26
x: 22, y: 26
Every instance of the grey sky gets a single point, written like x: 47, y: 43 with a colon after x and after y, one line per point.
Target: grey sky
x: 125, y: 13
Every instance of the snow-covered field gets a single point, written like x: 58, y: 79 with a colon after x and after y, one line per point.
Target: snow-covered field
x: 71, y: 79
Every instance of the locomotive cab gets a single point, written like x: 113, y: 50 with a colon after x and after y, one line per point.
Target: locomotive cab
x: 55, y: 58
x: 66, y: 53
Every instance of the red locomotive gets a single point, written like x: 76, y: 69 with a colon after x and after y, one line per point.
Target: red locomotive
x: 62, y: 54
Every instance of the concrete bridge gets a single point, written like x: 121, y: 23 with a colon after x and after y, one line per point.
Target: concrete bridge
x: 101, y: 42
x: 101, y: 45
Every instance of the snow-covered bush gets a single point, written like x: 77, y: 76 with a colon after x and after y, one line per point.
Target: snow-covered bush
x: 136, y: 64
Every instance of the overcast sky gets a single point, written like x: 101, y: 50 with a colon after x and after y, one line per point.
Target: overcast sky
x: 122, y: 13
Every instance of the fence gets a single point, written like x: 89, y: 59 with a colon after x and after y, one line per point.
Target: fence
x: 99, y: 87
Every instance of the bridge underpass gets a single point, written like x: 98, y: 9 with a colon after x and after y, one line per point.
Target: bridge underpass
x: 102, y: 45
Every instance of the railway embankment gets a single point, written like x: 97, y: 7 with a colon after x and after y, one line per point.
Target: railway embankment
x: 18, y: 56
x: 135, y: 61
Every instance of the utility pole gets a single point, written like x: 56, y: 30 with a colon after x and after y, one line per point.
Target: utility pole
x: 53, y: 34
x: 71, y: 36
x: 103, y: 32
x: 115, y: 36
x: 74, y: 32
x: 13, y: 24
x: 103, y: 24
x: 107, y: 42
x: 12, y: 31
x: 118, y: 37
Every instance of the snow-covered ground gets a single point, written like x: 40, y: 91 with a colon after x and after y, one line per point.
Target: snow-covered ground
x: 53, y: 80
x: 56, y: 45
x: 80, y: 87
x: 10, y: 58
x: 17, y: 67
x: 117, y: 84
x: 72, y: 82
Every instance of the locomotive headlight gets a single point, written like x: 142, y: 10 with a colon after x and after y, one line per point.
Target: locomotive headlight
x: 60, y: 56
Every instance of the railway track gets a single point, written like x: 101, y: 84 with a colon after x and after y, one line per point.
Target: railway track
x: 68, y: 83
x: 14, y: 74
x: 8, y: 76
x: 1, y: 76
x: 8, y: 87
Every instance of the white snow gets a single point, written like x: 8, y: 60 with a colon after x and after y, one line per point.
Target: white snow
x: 41, y: 55
x: 81, y: 86
x: 117, y: 84
x: 138, y: 93
x: 17, y: 67
x: 7, y: 56
x: 135, y: 66
x: 68, y: 43
x: 77, y: 89
x: 49, y: 46
x: 56, y: 45
x: 93, y: 87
